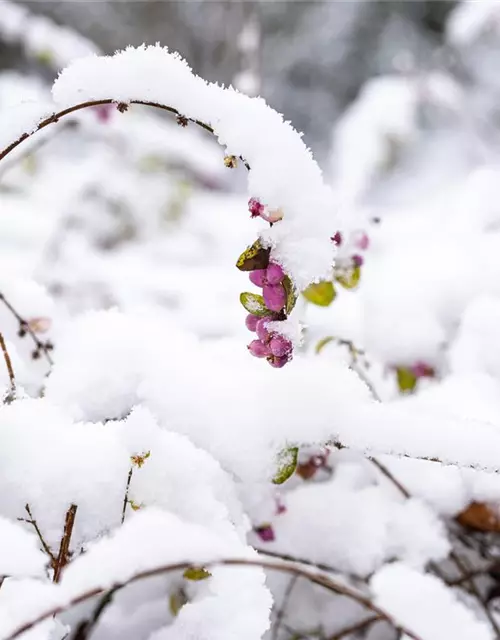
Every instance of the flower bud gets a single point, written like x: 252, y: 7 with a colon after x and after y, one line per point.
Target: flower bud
x: 251, y: 322
x: 274, y: 296
x: 357, y: 260
x: 257, y: 277
x: 274, y: 273
x: 422, y: 370
x: 259, y: 349
x: 280, y: 346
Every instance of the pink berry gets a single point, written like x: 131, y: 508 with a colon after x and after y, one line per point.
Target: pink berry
x: 274, y: 296
x: 361, y: 240
x: 259, y: 349
x: 261, y: 329
x: 255, y: 207
x: 265, y: 533
x: 277, y: 363
x: 251, y: 322
x: 274, y: 273
x: 103, y: 112
x: 280, y: 346
x: 337, y: 239
x: 357, y: 260
x: 258, y: 277
x: 422, y: 370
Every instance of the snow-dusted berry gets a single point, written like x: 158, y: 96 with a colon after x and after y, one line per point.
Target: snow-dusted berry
x: 255, y: 207
x: 357, y: 260
x: 274, y: 296
x: 258, y: 277
x: 265, y: 533
x: 251, y: 322
x: 278, y: 362
x: 259, y: 349
x: 280, y: 346
x: 422, y: 370
x: 274, y: 273
x: 261, y: 330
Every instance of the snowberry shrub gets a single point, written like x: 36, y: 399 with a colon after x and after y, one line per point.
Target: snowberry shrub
x: 137, y: 497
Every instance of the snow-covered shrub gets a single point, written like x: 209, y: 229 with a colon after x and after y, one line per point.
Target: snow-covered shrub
x: 158, y: 482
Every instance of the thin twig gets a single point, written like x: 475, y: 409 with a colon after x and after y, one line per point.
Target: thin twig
x: 125, y: 497
x: 358, y: 626
x: 55, y: 117
x: 45, y: 546
x: 63, y: 556
x: 280, y: 614
x: 462, y: 567
x: 10, y: 370
x: 24, y: 326
x: 7, y: 166
x: 316, y: 578
x: 86, y: 627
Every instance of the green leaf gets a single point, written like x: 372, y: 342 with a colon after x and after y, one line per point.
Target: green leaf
x: 45, y: 56
x: 291, y: 295
x: 254, y: 304
x: 254, y: 257
x: 320, y: 293
x: 349, y: 279
x: 323, y: 342
x: 196, y: 573
x: 287, y: 464
x: 407, y: 381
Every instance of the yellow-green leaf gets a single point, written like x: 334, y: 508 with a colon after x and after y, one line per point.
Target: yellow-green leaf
x: 291, y: 294
x: 176, y: 601
x: 287, y: 464
x: 323, y: 342
x: 407, y: 381
x: 320, y: 293
x: 254, y: 304
x: 349, y: 279
x: 196, y: 573
x: 254, y: 257
x: 45, y: 56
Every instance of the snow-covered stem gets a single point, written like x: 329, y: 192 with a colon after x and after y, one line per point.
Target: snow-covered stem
x: 292, y: 569
x: 355, y: 628
x: 10, y: 370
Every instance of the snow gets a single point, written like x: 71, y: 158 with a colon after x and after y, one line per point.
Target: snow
x: 424, y: 605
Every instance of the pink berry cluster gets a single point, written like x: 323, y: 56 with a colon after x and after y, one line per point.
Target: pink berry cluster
x: 353, y: 247
x: 269, y: 344
x: 422, y: 370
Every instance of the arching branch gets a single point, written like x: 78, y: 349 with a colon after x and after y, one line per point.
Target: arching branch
x: 295, y: 570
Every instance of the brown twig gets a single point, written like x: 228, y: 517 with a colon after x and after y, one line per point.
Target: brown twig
x: 353, y: 628
x: 10, y: 370
x: 24, y: 327
x: 55, y: 117
x: 86, y: 627
x: 316, y: 578
x: 63, y: 556
x: 125, y: 497
x: 45, y: 546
